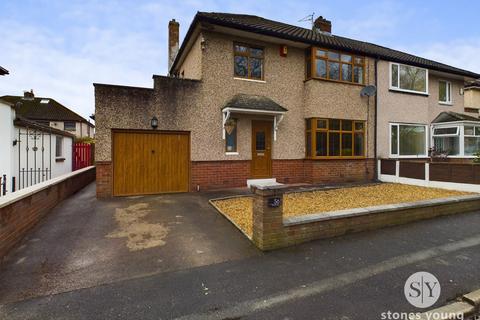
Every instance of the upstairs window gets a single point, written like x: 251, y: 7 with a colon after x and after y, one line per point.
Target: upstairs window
x: 408, y: 78
x: 335, y: 138
x: 69, y: 126
x: 445, y: 92
x: 248, y: 61
x: 333, y: 65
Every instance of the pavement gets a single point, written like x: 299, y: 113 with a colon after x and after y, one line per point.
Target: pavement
x: 81, y: 263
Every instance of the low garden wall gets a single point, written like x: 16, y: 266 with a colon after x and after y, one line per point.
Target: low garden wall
x: 22, y: 210
x: 271, y: 230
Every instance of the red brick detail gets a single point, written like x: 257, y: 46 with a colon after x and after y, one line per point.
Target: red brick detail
x: 219, y: 174
x: 289, y: 171
x: 210, y: 175
x: 104, y: 179
x: 344, y: 170
x: 17, y: 218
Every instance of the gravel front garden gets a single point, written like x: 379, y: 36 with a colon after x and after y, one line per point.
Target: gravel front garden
x: 240, y: 209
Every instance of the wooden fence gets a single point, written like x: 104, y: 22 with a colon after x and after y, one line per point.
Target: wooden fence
x: 82, y: 155
x: 458, y: 176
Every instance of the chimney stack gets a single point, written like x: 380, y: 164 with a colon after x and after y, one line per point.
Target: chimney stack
x: 28, y: 95
x: 322, y: 25
x: 173, y: 40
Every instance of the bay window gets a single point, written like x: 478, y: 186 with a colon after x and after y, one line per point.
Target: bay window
x: 408, y: 78
x: 471, y: 140
x: 335, y: 138
x: 334, y: 65
x: 408, y: 140
x: 446, y: 140
x: 457, y: 139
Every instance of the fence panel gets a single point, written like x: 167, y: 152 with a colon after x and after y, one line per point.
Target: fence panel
x: 413, y: 170
x: 82, y: 155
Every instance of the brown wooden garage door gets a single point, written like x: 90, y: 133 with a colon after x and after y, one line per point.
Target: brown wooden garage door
x: 149, y: 162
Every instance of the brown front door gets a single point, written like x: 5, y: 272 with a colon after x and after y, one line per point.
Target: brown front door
x: 149, y: 162
x: 261, y: 166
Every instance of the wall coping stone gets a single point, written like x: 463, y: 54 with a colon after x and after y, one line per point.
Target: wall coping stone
x: 340, y: 214
x: 26, y: 192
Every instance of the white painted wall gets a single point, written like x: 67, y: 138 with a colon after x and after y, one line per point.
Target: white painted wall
x: 7, y: 115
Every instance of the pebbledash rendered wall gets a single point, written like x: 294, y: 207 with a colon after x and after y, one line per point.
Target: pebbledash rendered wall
x: 194, y: 105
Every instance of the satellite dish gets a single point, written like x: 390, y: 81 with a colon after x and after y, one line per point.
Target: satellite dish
x: 368, y: 91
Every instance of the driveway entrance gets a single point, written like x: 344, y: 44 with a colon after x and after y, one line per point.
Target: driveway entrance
x: 85, y: 242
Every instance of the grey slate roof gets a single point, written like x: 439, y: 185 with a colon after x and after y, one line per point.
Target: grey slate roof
x: 33, y: 109
x: 281, y: 30
x: 253, y: 102
x: 450, y: 116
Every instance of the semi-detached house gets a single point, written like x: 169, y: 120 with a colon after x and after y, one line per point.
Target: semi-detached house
x: 251, y: 98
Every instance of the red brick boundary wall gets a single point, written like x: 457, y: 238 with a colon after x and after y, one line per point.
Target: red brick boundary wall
x: 104, y: 179
x: 210, y: 175
x: 272, y: 231
x: 20, y: 211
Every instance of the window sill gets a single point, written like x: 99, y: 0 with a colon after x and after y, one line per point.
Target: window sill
x: 59, y: 159
x: 393, y: 156
x: 250, y: 80
x: 336, y: 81
x: 231, y: 153
x: 445, y: 103
x: 393, y: 89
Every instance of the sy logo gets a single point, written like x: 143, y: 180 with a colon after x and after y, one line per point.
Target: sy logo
x: 422, y: 289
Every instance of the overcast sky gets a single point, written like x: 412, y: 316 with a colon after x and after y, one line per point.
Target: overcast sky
x: 59, y: 48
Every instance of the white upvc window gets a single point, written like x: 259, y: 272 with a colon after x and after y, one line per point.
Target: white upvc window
x: 408, y: 78
x: 456, y: 139
x: 445, y: 92
x: 446, y: 140
x: 408, y: 140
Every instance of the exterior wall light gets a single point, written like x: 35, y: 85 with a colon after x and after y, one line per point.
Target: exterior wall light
x: 154, y: 122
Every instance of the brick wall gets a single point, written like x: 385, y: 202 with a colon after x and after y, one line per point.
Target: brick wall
x: 270, y: 231
x: 219, y: 174
x: 289, y: 171
x: 104, y: 179
x: 24, y: 210
x: 231, y: 174
x: 332, y: 171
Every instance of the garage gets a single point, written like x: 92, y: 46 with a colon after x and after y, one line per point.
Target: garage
x: 150, y: 162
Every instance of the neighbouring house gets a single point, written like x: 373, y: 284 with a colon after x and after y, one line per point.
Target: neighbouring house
x: 3, y: 71
x: 249, y: 98
x: 424, y: 109
x: 49, y: 112
x: 30, y: 152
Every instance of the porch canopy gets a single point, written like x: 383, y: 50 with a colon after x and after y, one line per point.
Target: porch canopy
x: 254, y: 104
x: 456, y: 135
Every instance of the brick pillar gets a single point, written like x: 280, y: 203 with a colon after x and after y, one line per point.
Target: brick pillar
x: 268, y: 232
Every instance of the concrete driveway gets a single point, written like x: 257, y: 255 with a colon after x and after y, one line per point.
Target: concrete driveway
x: 85, y: 242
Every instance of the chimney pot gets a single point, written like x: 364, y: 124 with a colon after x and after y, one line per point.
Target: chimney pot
x: 173, y: 41
x: 322, y: 25
x: 28, y: 94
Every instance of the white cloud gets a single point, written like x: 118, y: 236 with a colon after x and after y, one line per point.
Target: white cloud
x: 461, y: 53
